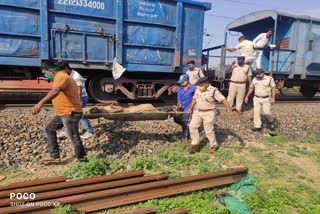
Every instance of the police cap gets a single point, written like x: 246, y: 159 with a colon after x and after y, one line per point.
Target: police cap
x: 203, y: 80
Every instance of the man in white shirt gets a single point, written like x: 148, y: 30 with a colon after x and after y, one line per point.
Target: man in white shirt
x: 83, y: 101
x: 246, y: 49
x: 261, y: 42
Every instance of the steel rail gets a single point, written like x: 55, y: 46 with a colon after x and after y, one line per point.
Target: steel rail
x: 32, y: 183
x: 224, y: 177
x: 126, y: 199
x: 177, y: 211
x: 74, y: 183
x: 87, y: 188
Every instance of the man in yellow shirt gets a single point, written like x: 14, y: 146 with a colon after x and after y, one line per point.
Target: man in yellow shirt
x: 66, y: 102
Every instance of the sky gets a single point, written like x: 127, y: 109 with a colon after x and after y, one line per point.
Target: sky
x: 225, y: 11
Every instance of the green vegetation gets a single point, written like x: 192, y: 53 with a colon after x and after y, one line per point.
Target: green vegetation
x: 278, y: 140
x: 281, y: 200
x: 200, y: 202
x: 94, y: 167
x: 65, y: 210
x: 312, y: 139
x: 287, y: 175
x: 12, y: 173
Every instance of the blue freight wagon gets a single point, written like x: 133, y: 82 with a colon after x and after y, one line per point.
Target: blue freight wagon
x: 152, y: 39
x: 296, y: 59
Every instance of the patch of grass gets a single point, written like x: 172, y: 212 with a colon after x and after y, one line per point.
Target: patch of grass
x: 278, y: 140
x: 114, y: 166
x: 12, y: 173
x: 224, y: 154
x: 94, y: 167
x: 65, y: 210
x: 296, y: 152
x: 312, y: 139
x: 173, y: 159
x: 200, y: 202
x: 254, y: 149
x: 279, y: 200
x: 144, y: 163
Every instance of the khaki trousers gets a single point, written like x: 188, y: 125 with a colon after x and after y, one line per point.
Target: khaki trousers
x: 207, y: 118
x: 238, y: 91
x: 265, y: 104
x: 249, y: 62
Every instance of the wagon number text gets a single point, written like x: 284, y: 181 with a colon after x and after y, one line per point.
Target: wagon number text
x: 83, y: 3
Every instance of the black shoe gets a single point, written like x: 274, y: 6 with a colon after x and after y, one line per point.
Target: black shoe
x: 272, y: 128
x: 256, y: 129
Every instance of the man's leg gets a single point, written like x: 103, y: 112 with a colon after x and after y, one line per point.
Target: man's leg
x: 71, y: 122
x: 180, y: 121
x: 256, y: 111
x: 208, y: 123
x: 266, y: 108
x: 185, y: 126
x: 85, y: 122
x: 53, y: 147
x: 194, y: 129
x: 259, y: 58
x: 241, y: 90
x: 232, y: 93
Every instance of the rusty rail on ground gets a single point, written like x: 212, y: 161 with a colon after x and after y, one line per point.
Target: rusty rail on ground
x: 110, y: 191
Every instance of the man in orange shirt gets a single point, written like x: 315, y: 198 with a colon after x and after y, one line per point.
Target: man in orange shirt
x: 66, y: 102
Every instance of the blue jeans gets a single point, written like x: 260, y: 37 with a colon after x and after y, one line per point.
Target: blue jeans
x: 71, y: 122
x: 85, y: 122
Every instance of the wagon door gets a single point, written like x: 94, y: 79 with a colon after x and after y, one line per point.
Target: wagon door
x: 82, y: 46
x: 82, y: 32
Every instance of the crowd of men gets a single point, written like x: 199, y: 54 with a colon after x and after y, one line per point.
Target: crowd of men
x: 198, y: 103
x: 196, y: 99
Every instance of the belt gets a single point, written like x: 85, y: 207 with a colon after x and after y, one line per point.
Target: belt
x: 238, y: 82
x: 261, y: 96
x: 205, y: 110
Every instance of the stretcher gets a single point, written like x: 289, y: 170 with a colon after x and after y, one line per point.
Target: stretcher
x: 134, y: 116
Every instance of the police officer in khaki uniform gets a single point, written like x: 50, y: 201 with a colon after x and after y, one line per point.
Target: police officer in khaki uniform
x: 204, y: 100
x: 262, y: 85
x: 237, y: 88
x: 194, y: 73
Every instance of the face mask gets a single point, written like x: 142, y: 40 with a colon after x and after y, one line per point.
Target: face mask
x: 241, y: 62
x: 184, y: 83
x: 190, y: 68
x: 201, y: 88
x: 259, y: 77
x: 47, y: 74
x: 48, y: 77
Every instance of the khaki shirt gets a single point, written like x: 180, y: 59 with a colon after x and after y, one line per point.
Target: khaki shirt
x: 263, y: 87
x: 194, y: 75
x: 206, y: 100
x: 246, y: 49
x: 240, y: 73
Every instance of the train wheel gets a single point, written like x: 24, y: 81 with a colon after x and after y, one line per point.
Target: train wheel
x: 308, y: 90
x: 101, y: 89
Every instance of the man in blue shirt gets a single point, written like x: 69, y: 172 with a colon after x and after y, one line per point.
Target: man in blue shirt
x: 185, y: 96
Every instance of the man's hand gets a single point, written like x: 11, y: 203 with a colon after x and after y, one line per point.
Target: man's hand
x: 229, y: 112
x: 189, y: 111
x: 246, y: 99
x: 233, y: 63
x: 37, y: 108
x: 273, y: 101
x: 179, y: 105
